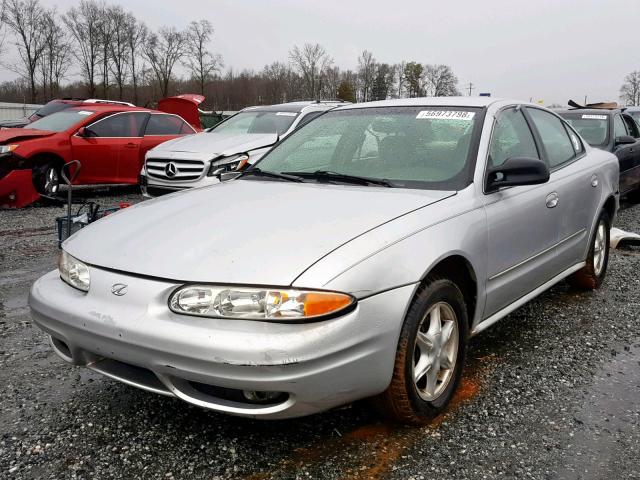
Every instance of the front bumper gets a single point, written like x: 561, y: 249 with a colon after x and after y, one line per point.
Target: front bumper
x: 17, y: 190
x: 138, y: 340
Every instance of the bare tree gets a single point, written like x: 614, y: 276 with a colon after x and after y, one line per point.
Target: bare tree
x: 118, y: 46
x: 630, y: 90
x: 136, y: 35
x: 83, y: 23
x: 164, y: 50
x: 383, y: 82
x: 202, y: 64
x: 311, y: 61
x: 276, y: 77
x: 106, y: 34
x: 2, y: 26
x: 366, y: 74
x: 440, y: 81
x: 54, y: 63
x: 330, y: 83
x: 413, y: 78
x: 24, y: 18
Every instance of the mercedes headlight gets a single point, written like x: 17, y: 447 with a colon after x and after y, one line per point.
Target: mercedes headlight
x: 74, y: 272
x: 267, y: 304
x: 233, y: 163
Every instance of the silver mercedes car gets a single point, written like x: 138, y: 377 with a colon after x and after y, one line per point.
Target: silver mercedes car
x: 354, y: 260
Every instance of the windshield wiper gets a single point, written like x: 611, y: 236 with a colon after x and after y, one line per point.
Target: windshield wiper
x: 342, y: 177
x: 265, y: 173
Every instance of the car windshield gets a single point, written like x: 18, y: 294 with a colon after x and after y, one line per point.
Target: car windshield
x: 51, y: 107
x: 409, y: 147
x: 256, y: 122
x: 61, y: 121
x: 593, y: 128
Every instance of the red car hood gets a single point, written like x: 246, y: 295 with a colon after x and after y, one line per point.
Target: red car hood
x: 9, y: 134
x: 185, y: 106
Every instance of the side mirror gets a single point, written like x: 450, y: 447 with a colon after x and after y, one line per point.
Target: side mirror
x: 625, y: 140
x: 517, y: 171
x: 86, y: 132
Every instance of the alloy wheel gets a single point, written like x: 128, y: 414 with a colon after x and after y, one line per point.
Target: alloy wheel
x: 435, y: 351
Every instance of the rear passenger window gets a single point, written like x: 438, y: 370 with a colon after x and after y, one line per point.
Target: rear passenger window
x: 556, y: 141
x: 167, y: 125
x: 119, y: 125
x: 511, y: 138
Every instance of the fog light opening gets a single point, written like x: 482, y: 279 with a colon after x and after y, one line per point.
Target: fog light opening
x: 261, y: 397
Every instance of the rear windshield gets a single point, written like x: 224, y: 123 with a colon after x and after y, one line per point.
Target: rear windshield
x: 61, y: 121
x: 49, y: 108
x: 593, y: 128
x: 408, y: 147
x: 256, y: 122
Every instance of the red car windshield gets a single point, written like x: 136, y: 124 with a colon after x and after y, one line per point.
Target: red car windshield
x: 61, y: 121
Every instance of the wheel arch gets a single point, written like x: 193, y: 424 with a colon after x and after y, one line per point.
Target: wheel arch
x: 459, y: 270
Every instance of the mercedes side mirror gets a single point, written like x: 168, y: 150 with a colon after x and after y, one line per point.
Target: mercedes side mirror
x: 517, y: 171
x: 625, y: 140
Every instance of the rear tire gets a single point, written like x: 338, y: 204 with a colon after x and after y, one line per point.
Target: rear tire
x: 591, y: 276
x: 430, y: 355
x: 46, y: 179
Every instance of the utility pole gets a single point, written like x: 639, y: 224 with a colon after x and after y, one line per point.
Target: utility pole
x: 470, y: 87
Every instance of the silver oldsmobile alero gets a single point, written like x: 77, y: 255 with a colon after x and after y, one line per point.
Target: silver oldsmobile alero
x: 354, y: 260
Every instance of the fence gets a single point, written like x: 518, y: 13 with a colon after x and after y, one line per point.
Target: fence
x: 15, y: 111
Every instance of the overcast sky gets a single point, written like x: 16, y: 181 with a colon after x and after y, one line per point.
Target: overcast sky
x: 549, y: 50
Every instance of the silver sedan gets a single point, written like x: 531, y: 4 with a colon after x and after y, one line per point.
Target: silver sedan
x: 354, y: 260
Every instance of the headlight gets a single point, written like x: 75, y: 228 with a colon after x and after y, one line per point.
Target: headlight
x: 74, y: 272
x: 228, y: 164
x: 8, y: 148
x: 268, y: 304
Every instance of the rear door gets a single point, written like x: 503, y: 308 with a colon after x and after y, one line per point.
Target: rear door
x: 129, y: 163
x: 574, y: 181
x: 160, y: 128
x: 522, y: 221
x: 631, y: 178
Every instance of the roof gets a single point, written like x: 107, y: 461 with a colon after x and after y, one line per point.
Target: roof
x: 477, y: 102
x: 102, y: 107
x: 294, y: 106
x: 588, y: 111
x: 632, y: 109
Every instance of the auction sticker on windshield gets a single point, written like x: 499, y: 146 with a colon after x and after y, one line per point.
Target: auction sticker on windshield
x: 287, y: 114
x: 595, y: 117
x: 446, y: 114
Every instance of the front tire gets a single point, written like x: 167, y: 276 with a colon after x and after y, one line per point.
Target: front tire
x: 46, y: 179
x: 429, y: 357
x: 591, y: 276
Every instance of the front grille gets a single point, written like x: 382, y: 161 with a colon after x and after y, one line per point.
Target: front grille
x: 182, y: 169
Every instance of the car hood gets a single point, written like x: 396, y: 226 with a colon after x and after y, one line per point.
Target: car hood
x: 10, y: 134
x: 218, y: 143
x: 242, y: 231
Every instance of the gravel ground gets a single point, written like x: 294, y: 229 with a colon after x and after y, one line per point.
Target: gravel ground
x: 550, y: 392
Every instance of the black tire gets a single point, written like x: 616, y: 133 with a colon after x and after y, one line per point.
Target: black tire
x: 591, y: 276
x: 46, y: 179
x: 402, y: 401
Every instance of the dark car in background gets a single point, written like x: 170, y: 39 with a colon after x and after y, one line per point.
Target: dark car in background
x: 613, y: 130
x: 55, y: 106
x: 633, y: 112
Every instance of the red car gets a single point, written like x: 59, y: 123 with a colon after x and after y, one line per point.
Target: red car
x: 109, y: 140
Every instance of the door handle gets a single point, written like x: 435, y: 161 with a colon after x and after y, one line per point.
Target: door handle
x: 130, y: 145
x: 552, y: 200
x: 594, y: 181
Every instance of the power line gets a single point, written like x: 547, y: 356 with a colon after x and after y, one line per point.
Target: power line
x: 471, y: 88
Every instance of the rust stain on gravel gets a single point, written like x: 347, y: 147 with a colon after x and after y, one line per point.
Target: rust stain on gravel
x: 377, y: 446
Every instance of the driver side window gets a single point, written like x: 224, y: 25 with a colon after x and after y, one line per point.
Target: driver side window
x: 511, y: 137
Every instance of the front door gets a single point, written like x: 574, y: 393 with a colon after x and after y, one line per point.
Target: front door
x: 522, y: 221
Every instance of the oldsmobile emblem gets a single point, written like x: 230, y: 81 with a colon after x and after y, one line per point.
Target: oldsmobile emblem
x: 119, y: 289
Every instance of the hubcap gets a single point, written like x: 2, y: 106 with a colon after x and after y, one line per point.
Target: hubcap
x: 51, y: 181
x: 599, y: 249
x: 435, y: 351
